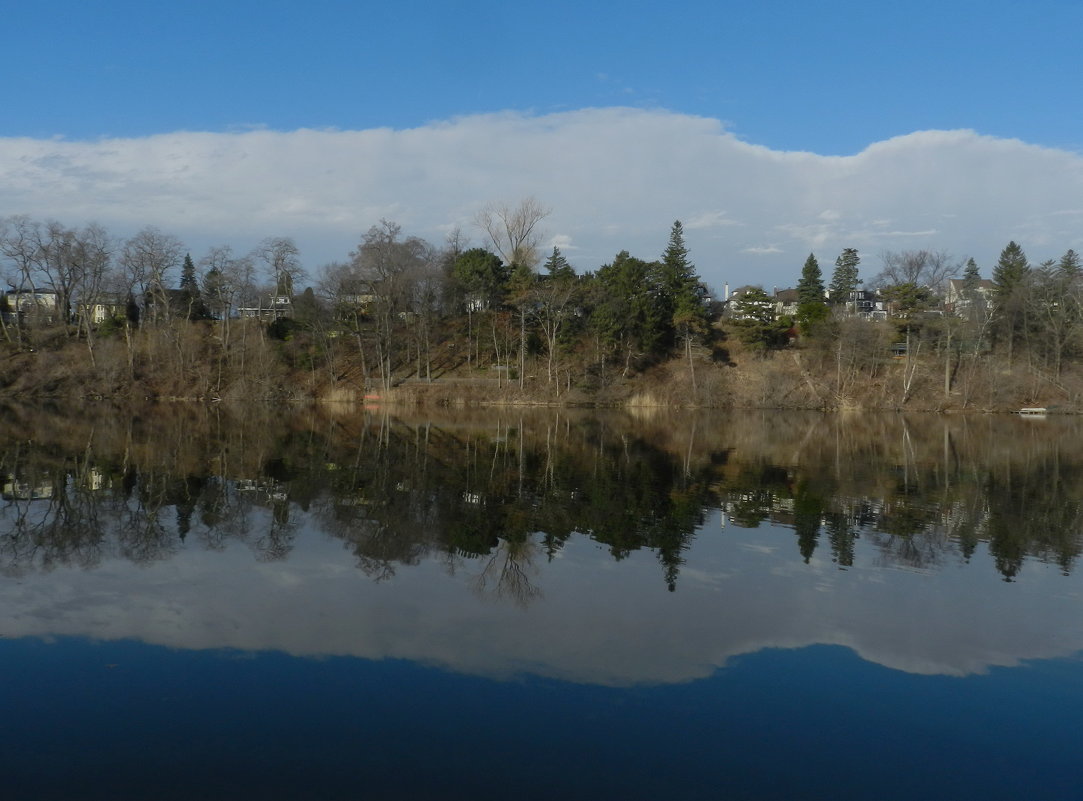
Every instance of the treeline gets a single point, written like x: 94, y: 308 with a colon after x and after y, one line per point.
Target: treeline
x: 88, y: 315
x: 398, y: 309
x: 927, y: 330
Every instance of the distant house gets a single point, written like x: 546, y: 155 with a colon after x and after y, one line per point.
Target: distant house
x: 959, y: 302
x: 268, y: 307
x: 350, y: 303
x: 864, y: 303
x: 105, y: 307
x: 734, y: 309
x: 786, y: 301
x: 31, y: 307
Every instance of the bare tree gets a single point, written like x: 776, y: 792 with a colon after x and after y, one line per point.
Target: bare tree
x: 282, y: 258
x: 385, y: 265
x: 513, y: 230
x: 929, y: 268
x: 425, y: 295
x: 19, y: 246
x: 227, y: 282
x: 71, y: 263
x: 345, y: 292
x: 149, y: 259
x: 91, y: 255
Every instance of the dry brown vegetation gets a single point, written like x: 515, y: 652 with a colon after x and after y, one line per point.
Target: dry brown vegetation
x: 854, y: 369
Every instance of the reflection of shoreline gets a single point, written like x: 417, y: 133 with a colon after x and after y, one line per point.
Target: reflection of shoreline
x: 928, y: 489
x: 597, y: 623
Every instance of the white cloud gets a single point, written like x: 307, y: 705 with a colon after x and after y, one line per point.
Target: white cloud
x: 709, y: 219
x: 616, y: 178
x: 562, y: 241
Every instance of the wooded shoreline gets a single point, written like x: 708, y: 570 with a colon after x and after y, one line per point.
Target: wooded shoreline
x: 405, y: 323
x: 854, y: 371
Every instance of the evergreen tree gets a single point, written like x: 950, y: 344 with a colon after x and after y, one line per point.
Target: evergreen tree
x: 845, y: 278
x: 971, y: 277
x: 676, y: 280
x: 973, y: 300
x: 679, y: 286
x: 1010, y: 272
x: 756, y: 323
x: 306, y: 309
x: 625, y: 319
x: 810, y: 289
x: 1010, y: 277
x: 811, y: 308
x: 194, y: 307
x: 552, y: 301
x: 1070, y: 265
x: 131, y: 311
x: 481, y: 275
x: 557, y: 266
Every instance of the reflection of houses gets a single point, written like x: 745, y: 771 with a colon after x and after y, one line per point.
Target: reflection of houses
x: 33, y: 306
x: 95, y: 480
x: 15, y: 490
x: 269, y: 488
x: 749, y: 507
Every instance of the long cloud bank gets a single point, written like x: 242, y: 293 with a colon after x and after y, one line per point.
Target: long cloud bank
x: 615, y: 178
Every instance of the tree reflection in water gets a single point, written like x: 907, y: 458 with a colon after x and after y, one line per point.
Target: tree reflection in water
x: 502, y: 491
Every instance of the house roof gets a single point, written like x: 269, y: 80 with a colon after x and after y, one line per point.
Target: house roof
x: 957, y: 284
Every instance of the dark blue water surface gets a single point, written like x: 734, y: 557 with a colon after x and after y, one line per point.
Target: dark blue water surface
x: 125, y: 720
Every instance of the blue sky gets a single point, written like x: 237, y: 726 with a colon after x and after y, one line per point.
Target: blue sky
x: 826, y: 78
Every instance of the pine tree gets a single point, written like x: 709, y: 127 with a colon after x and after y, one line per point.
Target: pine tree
x: 679, y: 284
x: 845, y: 278
x: 1009, y: 284
x: 557, y: 266
x: 811, y: 308
x: 973, y: 300
x: 971, y: 276
x: 194, y: 307
x: 756, y: 323
x: 810, y: 289
x: 625, y: 319
x: 1010, y: 272
x: 1070, y: 265
x: 677, y: 281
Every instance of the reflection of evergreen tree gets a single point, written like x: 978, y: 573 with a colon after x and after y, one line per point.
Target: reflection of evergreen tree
x: 395, y: 494
x: 185, y: 495
x: 1035, y: 512
x: 841, y: 535
x: 808, y: 511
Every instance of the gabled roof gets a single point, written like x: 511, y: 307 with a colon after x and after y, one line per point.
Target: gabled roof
x: 983, y: 284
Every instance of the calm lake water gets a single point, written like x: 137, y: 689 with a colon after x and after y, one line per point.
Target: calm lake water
x: 499, y: 605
